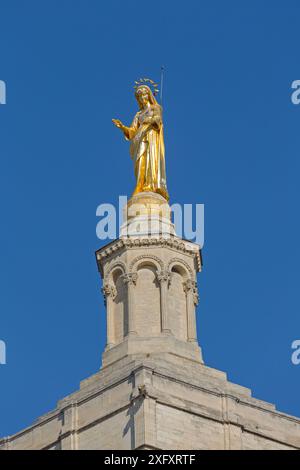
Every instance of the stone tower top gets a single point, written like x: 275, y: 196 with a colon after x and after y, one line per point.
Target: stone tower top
x: 149, y: 285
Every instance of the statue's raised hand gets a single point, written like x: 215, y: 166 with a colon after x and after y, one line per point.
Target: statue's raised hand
x: 118, y: 123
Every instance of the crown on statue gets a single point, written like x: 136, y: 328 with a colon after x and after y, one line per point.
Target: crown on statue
x: 150, y: 83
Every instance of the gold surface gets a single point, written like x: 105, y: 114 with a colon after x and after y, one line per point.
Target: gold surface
x: 147, y: 148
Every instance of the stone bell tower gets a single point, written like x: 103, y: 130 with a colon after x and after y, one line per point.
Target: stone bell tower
x: 150, y: 287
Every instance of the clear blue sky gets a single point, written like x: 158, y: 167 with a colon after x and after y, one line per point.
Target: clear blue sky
x: 232, y: 143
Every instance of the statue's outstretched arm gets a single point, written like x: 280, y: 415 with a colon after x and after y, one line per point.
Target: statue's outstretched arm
x: 129, y: 132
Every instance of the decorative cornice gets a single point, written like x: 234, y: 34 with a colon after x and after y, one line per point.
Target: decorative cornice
x: 170, y: 242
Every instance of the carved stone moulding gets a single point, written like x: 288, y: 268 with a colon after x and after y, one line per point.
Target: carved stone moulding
x: 128, y: 243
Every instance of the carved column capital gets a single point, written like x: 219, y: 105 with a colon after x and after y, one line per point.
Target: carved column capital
x: 163, y: 276
x: 130, y: 278
x: 108, y: 290
x: 188, y: 285
x: 191, y: 286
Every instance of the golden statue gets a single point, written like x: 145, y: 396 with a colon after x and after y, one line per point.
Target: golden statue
x: 147, y: 148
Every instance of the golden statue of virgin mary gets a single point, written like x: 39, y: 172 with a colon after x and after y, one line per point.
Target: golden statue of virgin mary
x: 147, y: 148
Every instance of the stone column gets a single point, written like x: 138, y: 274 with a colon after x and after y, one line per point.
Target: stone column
x: 163, y: 278
x: 190, y: 289
x: 130, y: 279
x: 109, y: 292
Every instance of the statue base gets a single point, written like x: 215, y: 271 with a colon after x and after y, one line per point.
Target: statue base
x: 147, y: 214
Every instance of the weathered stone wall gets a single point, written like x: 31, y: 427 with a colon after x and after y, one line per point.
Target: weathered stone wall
x: 155, y: 403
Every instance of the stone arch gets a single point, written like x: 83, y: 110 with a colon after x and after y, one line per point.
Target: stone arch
x: 143, y: 260
x: 182, y: 267
x: 118, y: 266
x: 181, y: 272
x: 147, y: 294
x: 118, y: 309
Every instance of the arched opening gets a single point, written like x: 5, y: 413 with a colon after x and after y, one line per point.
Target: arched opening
x: 147, y: 301
x: 177, y: 308
x: 119, y: 306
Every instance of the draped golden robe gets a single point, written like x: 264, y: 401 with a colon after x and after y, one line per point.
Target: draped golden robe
x: 147, y: 150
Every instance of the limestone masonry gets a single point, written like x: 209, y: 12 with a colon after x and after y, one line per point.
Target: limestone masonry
x: 153, y: 390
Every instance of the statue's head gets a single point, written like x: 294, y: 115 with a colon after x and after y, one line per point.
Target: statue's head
x: 144, y: 96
